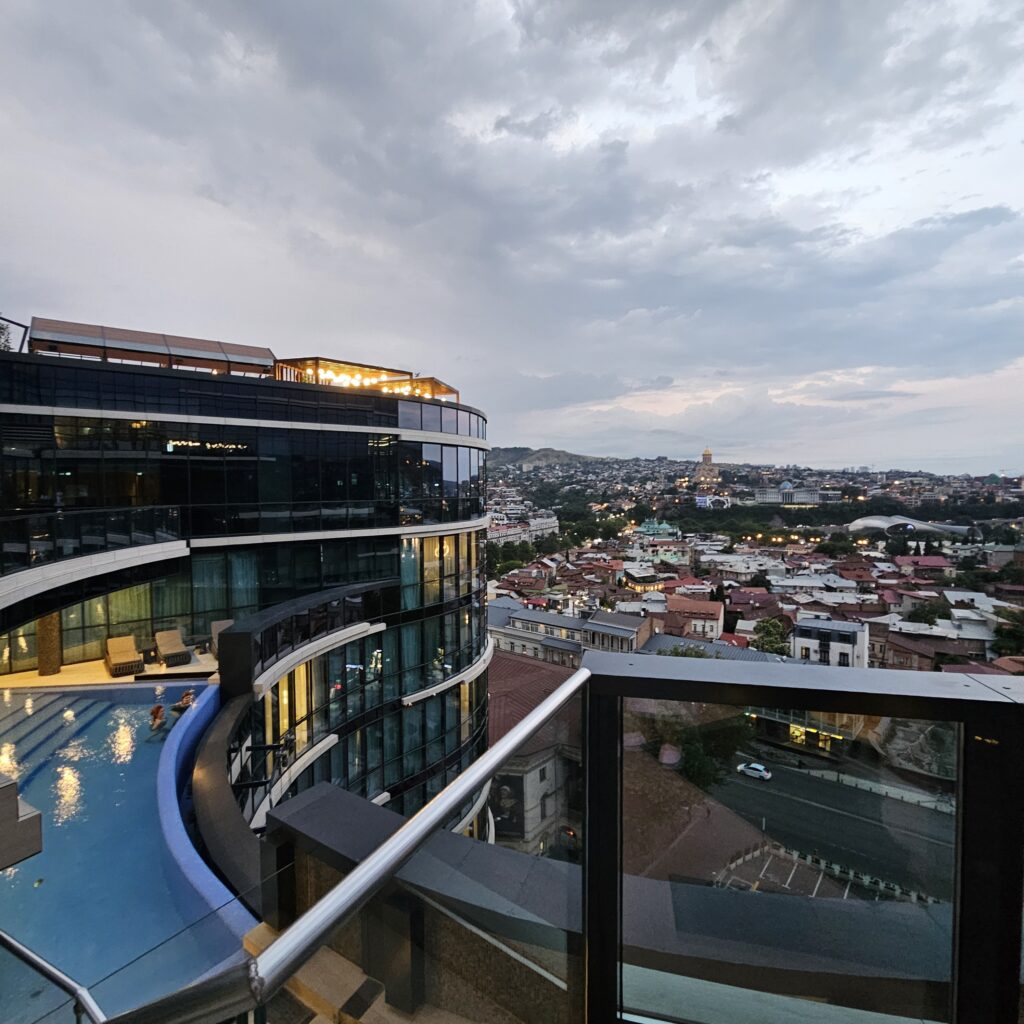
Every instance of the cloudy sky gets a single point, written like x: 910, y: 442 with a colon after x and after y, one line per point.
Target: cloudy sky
x: 792, y: 230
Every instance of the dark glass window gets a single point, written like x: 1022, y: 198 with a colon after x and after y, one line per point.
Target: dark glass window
x: 409, y: 415
x: 449, y: 420
x: 432, y: 417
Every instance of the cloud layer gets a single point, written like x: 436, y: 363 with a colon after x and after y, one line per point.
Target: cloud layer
x: 791, y: 230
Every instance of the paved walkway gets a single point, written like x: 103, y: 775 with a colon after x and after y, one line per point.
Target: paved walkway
x: 935, y: 802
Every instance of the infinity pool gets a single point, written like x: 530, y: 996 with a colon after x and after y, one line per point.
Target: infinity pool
x: 104, y: 889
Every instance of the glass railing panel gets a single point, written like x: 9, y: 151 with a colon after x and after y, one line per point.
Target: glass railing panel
x: 782, y: 866
x: 27, y: 997
x: 482, y: 924
x: 212, y: 942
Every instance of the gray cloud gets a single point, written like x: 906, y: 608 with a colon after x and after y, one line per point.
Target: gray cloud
x: 558, y: 206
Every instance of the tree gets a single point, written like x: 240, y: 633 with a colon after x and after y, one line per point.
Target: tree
x: 928, y: 612
x: 681, y: 651
x: 493, y: 555
x: 836, y: 548
x: 5, y: 337
x: 760, y: 580
x: 1009, y: 634
x: 770, y: 637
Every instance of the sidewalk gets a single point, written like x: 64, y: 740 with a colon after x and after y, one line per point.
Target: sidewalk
x: 940, y: 802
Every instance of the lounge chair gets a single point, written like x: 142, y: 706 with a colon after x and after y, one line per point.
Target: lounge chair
x: 171, y: 649
x: 122, y: 658
x: 215, y: 631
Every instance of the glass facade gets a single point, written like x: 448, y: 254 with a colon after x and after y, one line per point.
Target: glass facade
x: 76, y: 483
x: 83, y: 384
x: 234, y: 582
x: 233, y: 480
x: 407, y: 750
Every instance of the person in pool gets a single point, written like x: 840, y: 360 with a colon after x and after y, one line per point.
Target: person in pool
x: 157, y: 717
x: 185, y: 703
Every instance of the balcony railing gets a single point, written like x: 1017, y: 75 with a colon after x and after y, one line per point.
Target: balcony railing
x: 250, y: 648
x: 640, y: 876
x: 36, y: 539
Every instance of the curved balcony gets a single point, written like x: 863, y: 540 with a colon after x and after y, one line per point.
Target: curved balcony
x: 41, y: 551
x: 248, y: 761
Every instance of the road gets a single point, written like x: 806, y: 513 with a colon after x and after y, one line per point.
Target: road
x: 898, y: 842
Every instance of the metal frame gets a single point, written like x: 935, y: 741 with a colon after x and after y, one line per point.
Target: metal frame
x: 989, y: 843
x: 990, y: 832
x: 84, y: 1002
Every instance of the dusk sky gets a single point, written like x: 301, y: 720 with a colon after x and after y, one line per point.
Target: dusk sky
x: 792, y: 231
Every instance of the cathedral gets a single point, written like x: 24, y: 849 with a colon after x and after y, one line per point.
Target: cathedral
x: 705, y: 476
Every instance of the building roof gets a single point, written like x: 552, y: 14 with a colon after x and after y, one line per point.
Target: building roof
x: 695, y: 609
x: 168, y: 350
x: 547, y: 618
x: 516, y: 684
x: 713, y: 649
x: 835, y: 625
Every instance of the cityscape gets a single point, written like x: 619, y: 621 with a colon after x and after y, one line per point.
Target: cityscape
x: 512, y: 513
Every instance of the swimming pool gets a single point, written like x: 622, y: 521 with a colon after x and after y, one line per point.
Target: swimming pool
x: 104, y: 889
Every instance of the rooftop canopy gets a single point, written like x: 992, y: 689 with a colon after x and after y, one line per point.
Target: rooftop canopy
x: 114, y: 344
x: 388, y: 381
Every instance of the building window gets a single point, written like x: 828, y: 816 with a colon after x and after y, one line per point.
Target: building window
x: 844, y: 659
x: 823, y: 656
x: 805, y: 653
x: 543, y: 776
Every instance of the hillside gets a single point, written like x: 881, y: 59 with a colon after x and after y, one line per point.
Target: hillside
x: 538, y: 457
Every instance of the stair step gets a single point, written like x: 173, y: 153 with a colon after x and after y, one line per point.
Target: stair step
x: 14, y: 722
x: 35, y: 759
x: 326, y: 984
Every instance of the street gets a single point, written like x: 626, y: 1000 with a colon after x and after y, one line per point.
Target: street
x: 897, y: 842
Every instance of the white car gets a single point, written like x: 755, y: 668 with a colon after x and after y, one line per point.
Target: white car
x: 754, y: 770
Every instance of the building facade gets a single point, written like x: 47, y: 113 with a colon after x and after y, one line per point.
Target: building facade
x: 175, y: 484
x: 830, y: 642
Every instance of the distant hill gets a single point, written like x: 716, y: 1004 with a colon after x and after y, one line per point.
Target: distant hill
x: 537, y: 457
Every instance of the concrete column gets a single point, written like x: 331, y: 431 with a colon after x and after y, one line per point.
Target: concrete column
x: 48, y: 646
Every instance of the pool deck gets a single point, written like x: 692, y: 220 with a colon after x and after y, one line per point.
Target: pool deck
x: 94, y: 673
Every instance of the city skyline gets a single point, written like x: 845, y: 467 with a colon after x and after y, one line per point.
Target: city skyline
x: 796, y: 230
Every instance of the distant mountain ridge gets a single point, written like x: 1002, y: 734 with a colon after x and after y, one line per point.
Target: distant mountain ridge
x: 538, y: 457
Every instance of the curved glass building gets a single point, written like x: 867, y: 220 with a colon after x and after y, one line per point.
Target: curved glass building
x: 153, y: 484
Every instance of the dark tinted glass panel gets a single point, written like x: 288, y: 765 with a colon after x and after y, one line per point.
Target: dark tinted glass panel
x: 449, y: 420
x: 432, y: 417
x: 409, y: 415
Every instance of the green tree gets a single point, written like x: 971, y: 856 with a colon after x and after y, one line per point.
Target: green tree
x: 770, y: 637
x: 5, y: 337
x: 759, y: 579
x: 549, y: 545
x: 684, y: 651
x: 1009, y: 634
x: 928, y: 612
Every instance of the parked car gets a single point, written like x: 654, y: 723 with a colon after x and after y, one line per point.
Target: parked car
x: 754, y: 770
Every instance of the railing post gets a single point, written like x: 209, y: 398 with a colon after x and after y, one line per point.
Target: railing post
x: 602, y: 838
x: 990, y: 870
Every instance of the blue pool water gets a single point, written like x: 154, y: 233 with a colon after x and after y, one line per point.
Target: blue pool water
x: 104, y: 889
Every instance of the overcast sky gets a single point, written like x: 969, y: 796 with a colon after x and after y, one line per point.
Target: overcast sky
x: 794, y: 231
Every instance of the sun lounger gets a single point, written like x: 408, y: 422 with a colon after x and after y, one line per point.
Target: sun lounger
x: 122, y: 658
x: 171, y: 649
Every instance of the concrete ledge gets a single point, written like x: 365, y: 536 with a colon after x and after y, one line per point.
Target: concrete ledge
x: 205, y: 891
x: 29, y: 582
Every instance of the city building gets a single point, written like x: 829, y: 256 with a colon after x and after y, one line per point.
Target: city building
x: 787, y: 494
x: 175, y: 498
x: 705, y: 474
x: 830, y: 642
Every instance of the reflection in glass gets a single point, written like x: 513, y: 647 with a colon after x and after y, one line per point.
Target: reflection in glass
x: 772, y: 858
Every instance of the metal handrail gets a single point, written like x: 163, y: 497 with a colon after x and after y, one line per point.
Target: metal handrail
x: 82, y: 996
x: 240, y: 988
